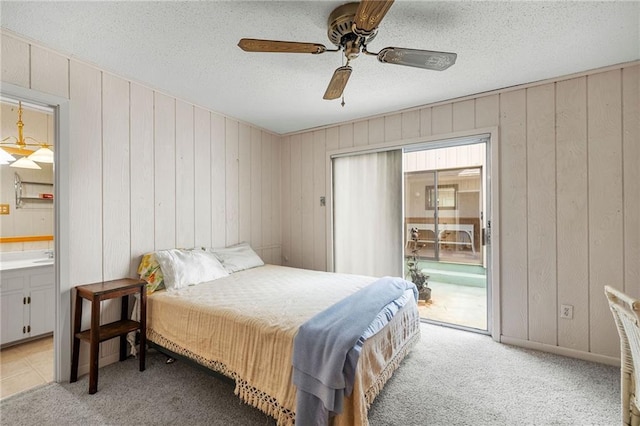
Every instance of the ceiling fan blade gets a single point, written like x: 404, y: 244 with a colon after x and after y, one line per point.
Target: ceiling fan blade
x: 337, y: 83
x: 256, y: 45
x: 427, y: 59
x: 370, y: 14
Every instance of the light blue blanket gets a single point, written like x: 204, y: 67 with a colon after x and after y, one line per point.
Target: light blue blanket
x: 327, y: 347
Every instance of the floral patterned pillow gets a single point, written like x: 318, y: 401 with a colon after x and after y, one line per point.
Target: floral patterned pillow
x: 151, y: 272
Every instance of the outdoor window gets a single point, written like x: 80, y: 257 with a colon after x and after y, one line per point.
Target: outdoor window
x: 445, y: 198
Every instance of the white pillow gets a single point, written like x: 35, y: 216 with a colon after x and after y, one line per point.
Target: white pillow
x: 182, y: 268
x: 238, y: 258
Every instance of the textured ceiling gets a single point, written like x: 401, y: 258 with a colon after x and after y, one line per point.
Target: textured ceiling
x: 189, y: 49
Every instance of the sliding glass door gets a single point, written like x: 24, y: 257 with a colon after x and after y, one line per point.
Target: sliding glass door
x: 445, y: 201
x: 423, y: 208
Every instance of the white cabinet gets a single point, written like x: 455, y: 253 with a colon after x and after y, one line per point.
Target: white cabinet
x: 27, y: 303
x: 12, y: 314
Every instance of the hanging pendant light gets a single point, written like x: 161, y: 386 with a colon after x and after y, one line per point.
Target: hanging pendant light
x: 5, y: 157
x: 18, y: 146
x: 25, y: 163
x: 42, y: 155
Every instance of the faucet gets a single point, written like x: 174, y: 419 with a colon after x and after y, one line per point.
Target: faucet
x: 49, y: 253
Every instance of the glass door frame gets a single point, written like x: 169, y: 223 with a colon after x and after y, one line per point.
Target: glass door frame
x: 485, y: 219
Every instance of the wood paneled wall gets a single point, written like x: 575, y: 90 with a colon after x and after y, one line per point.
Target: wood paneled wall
x: 149, y: 171
x: 569, y: 197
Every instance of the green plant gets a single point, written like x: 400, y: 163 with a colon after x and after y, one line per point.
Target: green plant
x: 419, y: 278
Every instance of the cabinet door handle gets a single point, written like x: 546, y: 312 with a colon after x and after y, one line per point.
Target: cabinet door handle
x: 29, y: 329
x: 24, y: 300
x: 28, y: 300
x: 24, y: 329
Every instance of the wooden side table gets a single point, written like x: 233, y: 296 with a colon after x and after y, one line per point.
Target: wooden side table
x: 96, y: 293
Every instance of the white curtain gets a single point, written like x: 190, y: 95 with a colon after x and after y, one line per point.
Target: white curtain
x: 367, y: 214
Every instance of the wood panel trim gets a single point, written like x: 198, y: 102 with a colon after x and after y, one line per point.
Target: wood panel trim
x: 26, y: 239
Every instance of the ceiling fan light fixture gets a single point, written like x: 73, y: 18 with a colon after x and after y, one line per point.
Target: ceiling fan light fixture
x: 351, y: 27
x: 341, y: 23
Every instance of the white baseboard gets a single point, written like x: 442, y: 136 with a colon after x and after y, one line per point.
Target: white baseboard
x: 572, y: 353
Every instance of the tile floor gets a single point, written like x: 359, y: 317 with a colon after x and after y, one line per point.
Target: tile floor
x: 26, y: 366
x: 456, y: 304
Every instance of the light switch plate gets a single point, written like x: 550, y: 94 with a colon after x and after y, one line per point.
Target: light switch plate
x: 4, y: 208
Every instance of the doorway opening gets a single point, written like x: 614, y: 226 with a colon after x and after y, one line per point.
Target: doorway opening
x: 27, y: 256
x: 445, y: 220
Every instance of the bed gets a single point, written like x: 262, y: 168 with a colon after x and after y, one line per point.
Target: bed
x: 243, y: 325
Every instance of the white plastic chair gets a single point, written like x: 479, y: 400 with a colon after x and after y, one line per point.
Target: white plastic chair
x: 626, y: 311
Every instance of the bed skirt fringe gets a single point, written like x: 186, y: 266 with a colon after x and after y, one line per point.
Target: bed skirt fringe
x: 216, y: 366
x: 247, y: 393
x: 389, y: 369
x: 266, y: 403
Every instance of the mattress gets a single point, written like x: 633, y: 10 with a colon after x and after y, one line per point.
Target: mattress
x: 243, y: 326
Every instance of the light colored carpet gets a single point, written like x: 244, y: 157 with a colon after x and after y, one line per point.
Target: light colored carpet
x: 452, y: 377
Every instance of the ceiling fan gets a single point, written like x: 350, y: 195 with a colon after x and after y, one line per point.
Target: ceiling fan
x: 352, y: 27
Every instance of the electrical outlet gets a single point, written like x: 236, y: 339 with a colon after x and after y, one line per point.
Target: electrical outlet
x: 323, y: 201
x: 566, y: 311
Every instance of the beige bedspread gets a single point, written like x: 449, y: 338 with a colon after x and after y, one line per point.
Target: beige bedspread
x: 243, y: 326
